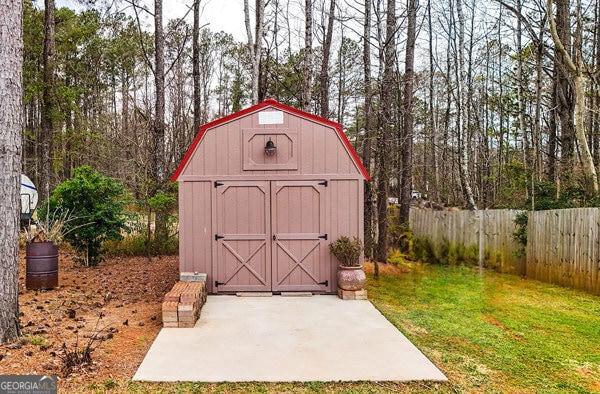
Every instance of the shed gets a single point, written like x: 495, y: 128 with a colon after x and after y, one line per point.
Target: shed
x: 262, y: 193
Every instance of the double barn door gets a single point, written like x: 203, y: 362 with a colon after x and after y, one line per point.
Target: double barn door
x: 270, y: 236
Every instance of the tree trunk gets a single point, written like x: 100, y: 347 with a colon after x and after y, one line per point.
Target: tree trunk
x: 11, y: 113
x: 255, y: 44
x: 595, y: 102
x: 565, y: 94
x: 385, y: 132
x: 158, y: 135
x: 324, y: 75
x: 527, y: 157
x: 537, y: 126
x: 308, y: 58
x: 257, y: 61
x: 158, y: 153
x: 367, y: 142
x: 463, y: 113
x: 407, y: 130
x: 432, y: 116
x: 575, y: 70
x: 196, y: 65
x: 48, y: 100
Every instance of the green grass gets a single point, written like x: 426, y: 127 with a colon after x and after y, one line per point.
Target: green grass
x: 37, y: 340
x: 496, y: 333
x: 488, y: 332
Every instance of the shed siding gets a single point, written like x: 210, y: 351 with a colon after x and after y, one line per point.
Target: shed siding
x: 320, y: 150
x: 315, y: 161
x: 195, y: 222
x: 345, y: 214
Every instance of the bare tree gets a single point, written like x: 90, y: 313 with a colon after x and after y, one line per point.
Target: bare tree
x: 11, y: 113
x: 368, y: 134
x: 324, y: 75
x: 308, y: 56
x: 255, y: 45
x: 48, y: 99
x: 463, y: 111
x: 520, y: 89
x: 196, y: 65
x: 563, y: 107
x: 158, y: 135
x: 407, y: 130
x: 575, y: 70
x: 432, y: 123
x: 385, y: 132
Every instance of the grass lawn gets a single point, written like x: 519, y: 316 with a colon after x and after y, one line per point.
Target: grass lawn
x: 496, y: 333
x: 487, y: 332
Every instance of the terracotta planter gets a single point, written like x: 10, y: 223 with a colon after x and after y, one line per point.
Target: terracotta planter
x: 41, y: 266
x: 351, y: 278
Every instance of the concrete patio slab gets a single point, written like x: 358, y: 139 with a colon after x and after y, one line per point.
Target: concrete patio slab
x: 286, y: 339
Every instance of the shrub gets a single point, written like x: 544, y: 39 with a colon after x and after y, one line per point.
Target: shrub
x: 137, y: 245
x: 520, y: 233
x: 347, y: 251
x: 396, y: 257
x: 91, y: 197
x: 162, y: 204
x: 444, y: 252
x: 494, y: 260
x: 422, y: 250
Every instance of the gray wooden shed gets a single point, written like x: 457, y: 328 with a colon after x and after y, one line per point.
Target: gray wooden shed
x: 262, y: 193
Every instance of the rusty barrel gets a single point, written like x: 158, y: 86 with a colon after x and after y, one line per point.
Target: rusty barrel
x: 41, y: 266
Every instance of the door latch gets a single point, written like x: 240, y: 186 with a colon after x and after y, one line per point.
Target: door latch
x: 326, y: 283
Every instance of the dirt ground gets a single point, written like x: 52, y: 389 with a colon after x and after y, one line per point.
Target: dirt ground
x: 113, y: 309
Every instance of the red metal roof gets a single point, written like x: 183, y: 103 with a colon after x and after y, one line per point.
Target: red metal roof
x: 273, y: 104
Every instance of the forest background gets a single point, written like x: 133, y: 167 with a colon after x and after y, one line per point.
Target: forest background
x: 474, y: 104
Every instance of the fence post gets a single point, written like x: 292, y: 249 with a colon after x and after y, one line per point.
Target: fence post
x: 480, y: 239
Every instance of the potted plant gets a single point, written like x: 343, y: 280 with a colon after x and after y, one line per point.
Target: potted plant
x: 51, y: 229
x: 350, y: 274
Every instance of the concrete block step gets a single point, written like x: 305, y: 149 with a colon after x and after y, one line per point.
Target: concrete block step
x: 254, y: 294
x: 297, y: 294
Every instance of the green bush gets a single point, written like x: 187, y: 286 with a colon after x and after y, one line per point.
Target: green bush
x: 520, y: 233
x: 422, y: 250
x: 494, y: 260
x: 159, y: 208
x: 444, y: 252
x: 97, y: 203
x: 347, y: 250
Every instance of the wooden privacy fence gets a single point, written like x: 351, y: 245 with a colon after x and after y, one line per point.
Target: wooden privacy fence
x: 563, y: 247
x: 490, y: 231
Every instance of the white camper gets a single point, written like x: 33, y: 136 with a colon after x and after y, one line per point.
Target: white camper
x: 29, y: 198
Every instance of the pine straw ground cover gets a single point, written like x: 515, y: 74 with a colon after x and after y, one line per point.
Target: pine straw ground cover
x: 487, y: 332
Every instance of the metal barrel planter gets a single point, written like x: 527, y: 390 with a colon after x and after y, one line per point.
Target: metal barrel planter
x: 41, y: 266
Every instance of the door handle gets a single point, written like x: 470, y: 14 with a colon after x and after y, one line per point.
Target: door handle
x: 274, y: 237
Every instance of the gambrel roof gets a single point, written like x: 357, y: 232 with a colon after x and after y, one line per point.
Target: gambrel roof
x: 272, y: 104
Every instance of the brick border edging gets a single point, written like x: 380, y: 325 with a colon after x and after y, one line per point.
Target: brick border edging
x: 352, y: 294
x: 182, y: 305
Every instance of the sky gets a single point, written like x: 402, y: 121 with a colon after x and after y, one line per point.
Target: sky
x: 220, y: 15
